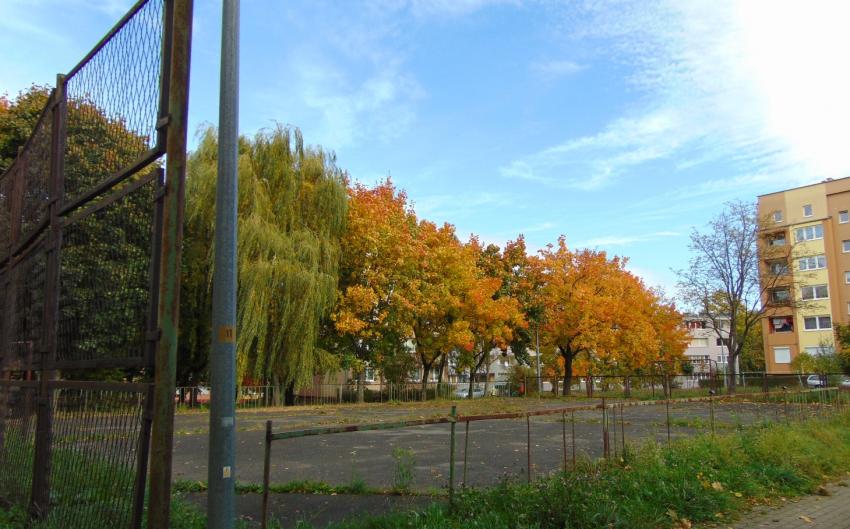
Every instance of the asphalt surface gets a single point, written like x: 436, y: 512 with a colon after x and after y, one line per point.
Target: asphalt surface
x: 497, y: 450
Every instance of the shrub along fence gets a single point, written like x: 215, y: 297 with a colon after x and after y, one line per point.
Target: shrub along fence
x: 90, y: 223
x: 605, y: 429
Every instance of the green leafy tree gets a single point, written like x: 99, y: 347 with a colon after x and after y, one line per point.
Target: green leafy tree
x: 292, y: 211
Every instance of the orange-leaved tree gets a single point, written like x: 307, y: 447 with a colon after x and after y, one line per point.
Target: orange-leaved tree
x: 492, y: 314
x: 444, y: 271
x: 581, y: 302
x: 379, y: 258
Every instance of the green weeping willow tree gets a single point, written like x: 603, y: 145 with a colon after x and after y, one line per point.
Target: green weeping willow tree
x: 292, y: 210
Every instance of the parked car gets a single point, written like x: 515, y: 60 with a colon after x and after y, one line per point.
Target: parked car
x: 462, y: 392
x: 844, y: 384
x: 815, y: 381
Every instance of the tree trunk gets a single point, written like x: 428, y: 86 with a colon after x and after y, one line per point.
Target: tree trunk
x: 486, y: 372
x: 731, y: 381
x: 289, y: 394
x: 568, y: 372
x: 627, y: 387
x: 361, y: 383
x: 278, y: 390
x: 426, y: 370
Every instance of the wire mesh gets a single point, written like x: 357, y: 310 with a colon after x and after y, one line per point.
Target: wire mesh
x: 105, y: 279
x: 28, y: 284
x: 94, y: 250
x: 6, y: 181
x: 113, y: 102
x: 35, y: 165
x: 18, y: 439
x: 95, y: 440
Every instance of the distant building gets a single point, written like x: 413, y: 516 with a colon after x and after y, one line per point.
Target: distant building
x: 804, y: 268
x: 707, y: 351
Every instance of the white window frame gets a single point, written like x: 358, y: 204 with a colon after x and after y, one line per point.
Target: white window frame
x: 786, y: 356
x: 817, y: 320
x: 819, y: 350
x: 843, y: 217
x: 845, y: 246
x: 777, y: 216
x: 814, y: 292
x: 775, y: 299
x: 805, y: 231
x: 811, y: 210
x: 819, y: 262
x: 847, y: 277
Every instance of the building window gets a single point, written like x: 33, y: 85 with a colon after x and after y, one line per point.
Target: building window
x: 777, y: 216
x: 807, y: 210
x: 847, y: 277
x: 843, y: 217
x: 780, y: 295
x: 809, y: 233
x: 845, y: 246
x: 369, y: 374
x: 695, y: 324
x: 812, y: 263
x: 722, y: 341
x: 819, y: 350
x: 782, y: 324
x: 776, y: 239
x: 699, y: 342
x: 817, y: 323
x: 778, y: 268
x: 814, y: 292
x: 782, y: 355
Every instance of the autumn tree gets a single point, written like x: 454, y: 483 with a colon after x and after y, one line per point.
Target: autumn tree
x: 378, y: 260
x: 292, y: 212
x: 435, y: 294
x: 581, y: 309
x: 491, y: 312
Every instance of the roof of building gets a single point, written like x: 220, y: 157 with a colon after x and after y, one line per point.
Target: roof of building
x: 801, y: 187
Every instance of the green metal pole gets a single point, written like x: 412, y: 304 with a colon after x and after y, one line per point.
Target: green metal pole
x: 465, y: 452
x: 221, y: 510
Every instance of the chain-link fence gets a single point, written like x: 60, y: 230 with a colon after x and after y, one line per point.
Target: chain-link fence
x: 83, y: 235
x: 633, y: 386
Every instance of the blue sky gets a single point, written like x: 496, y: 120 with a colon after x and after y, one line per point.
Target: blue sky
x: 621, y: 124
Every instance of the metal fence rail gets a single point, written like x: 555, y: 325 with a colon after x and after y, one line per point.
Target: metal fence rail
x: 550, y: 437
x: 83, y: 231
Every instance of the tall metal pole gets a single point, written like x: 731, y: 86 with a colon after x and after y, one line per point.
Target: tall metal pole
x: 220, y: 496
x: 539, y: 380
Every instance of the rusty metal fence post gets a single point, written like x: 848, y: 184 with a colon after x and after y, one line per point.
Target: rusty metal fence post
x: 528, y: 446
x: 266, y: 475
x: 453, y: 417
x: 178, y: 45
x: 465, y: 452
x: 40, y: 497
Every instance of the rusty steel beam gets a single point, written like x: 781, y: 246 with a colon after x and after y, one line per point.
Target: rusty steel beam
x: 178, y: 15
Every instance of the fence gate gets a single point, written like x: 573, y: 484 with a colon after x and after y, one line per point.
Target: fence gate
x: 90, y: 233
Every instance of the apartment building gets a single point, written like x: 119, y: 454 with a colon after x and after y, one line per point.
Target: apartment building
x: 707, y: 351
x: 804, y: 269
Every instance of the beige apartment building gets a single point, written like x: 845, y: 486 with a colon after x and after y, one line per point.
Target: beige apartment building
x: 805, y: 267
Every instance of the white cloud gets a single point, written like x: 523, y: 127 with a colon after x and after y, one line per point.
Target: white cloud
x: 590, y: 162
x: 625, y: 240
x: 426, y: 8
x: 554, y: 69
x: 762, y: 85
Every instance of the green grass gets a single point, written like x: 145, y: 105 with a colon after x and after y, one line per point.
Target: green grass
x: 699, y: 479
